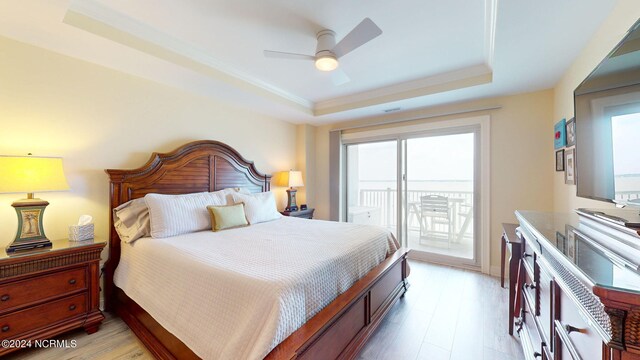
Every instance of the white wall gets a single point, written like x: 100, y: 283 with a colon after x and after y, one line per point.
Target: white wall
x: 522, y: 158
x: 97, y: 118
x: 613, y: 29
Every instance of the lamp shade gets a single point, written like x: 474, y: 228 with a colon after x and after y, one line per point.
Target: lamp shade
x: 289, y: 179
x: 30, y: 174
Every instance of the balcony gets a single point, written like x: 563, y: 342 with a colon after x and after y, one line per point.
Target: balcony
x: 452, y: 237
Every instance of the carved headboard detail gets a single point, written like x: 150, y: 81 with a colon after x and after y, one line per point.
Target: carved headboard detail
x: 195, y: 167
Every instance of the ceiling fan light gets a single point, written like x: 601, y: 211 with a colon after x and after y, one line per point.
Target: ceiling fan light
x: 326, y: 63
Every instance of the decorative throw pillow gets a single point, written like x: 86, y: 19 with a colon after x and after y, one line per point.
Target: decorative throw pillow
x: 172, y: 215
x: 260, y: 207
x: 227, y: 216
x: 131, y: 220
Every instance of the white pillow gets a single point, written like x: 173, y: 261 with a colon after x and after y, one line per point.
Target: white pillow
x: 241, y: 190
x: 260, y: 207
x: 131, y: 220
x: 180, y: 214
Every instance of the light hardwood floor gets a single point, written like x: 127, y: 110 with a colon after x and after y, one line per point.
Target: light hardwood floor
x: 446, y: 314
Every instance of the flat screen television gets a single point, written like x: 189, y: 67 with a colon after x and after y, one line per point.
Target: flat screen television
x: 607, y: 132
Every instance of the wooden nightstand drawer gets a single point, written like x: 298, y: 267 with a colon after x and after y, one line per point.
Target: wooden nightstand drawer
x: 47, y: 292
x: 42, y: 315
x: 40, y: 288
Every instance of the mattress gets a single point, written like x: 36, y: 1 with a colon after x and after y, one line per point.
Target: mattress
x: 236, y: 294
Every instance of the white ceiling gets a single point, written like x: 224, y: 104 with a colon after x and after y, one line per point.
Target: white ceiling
x: 431, y: 52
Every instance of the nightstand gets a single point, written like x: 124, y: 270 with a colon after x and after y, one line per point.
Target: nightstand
x: 304, y: 214
x: 47, y: 292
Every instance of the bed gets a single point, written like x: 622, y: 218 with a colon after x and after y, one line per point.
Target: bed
x: 338, y: 329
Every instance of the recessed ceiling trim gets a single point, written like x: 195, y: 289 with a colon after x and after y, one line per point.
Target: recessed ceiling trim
x: 453, y: 80
x: 491, y: 14
x: 103, y: 21
x: 106, y: 22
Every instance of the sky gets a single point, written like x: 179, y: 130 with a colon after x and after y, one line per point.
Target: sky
x: 446, y: 157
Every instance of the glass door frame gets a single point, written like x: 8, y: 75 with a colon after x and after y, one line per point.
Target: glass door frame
x: 345, y: 160
x: 475, y: 262
x: 482, y: 192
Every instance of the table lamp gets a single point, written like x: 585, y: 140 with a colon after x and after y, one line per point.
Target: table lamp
x: 290, y: 179
x: 30, y: 174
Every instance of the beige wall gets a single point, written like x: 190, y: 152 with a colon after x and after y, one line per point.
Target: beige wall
x: 96, y: 118
x: 522, y: 160
x: 305, y: 162
x: 623, y: 16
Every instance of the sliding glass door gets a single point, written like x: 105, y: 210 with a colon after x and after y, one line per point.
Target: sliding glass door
x: 440, y: 194
x: 423, y: 186
x: 372, y: 184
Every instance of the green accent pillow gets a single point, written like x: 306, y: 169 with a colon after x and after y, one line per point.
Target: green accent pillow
x: 227, y: 216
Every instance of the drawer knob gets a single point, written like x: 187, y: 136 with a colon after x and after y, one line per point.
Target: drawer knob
x: 72, y: 281
x: 5, y: 328
x: 72, y: 307
x: 526, y: 255
x: 537, y: 354
x: 571, y: 329
x: 530, y: 286
x: 5, y: 297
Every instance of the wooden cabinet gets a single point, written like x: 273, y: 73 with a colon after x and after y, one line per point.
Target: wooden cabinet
x: 576, y: 298
x: 46, y: 293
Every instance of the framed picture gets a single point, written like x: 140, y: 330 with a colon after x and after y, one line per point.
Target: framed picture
x: 560, y: 135
x: 570, y: 166
x: 571, y: 132
x: 560, y: 160
x: 571, y: 242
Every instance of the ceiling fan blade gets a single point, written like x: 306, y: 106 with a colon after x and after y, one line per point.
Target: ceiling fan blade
x: 339, y: 77
x: 366, y: 31
x: 286, y: 55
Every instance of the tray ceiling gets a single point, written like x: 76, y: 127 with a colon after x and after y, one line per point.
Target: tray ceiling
x: 431, y: 52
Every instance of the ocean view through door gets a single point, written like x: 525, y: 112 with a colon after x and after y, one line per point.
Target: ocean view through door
x: 423, y: 187
x: 440, y: 191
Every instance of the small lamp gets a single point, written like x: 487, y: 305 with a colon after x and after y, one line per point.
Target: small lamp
x: 290, y: 179
x: 30, y: 174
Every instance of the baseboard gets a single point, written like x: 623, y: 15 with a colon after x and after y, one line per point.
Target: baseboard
x: 495, y: 271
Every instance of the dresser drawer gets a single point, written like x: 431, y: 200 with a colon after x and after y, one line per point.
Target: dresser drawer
x: 528, y: 255
x: 575, y: 336
x: 529, y: 336
x: 545, y: 304
x: 529, y: 285
x: 42, y: 287
x: 40, y: 316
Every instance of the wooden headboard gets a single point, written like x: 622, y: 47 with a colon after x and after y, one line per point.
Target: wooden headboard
x: 195, y: 167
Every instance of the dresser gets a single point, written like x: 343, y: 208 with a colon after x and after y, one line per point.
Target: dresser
x: 48, y: 292
x: 578, y: 288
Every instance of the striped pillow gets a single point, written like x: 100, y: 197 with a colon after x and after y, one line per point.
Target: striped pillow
x: 173, y: 215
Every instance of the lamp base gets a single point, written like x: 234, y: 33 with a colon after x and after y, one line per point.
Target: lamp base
x: 30, y: 234
x: 291, y: 202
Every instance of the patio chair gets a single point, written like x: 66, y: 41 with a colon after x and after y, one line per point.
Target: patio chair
x: 435, y: 218
x: 466, y: 212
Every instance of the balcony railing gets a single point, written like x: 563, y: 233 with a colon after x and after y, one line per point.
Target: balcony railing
x: 386, y: 201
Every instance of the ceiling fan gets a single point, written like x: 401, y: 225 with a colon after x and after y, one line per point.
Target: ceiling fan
x: 328, y: 52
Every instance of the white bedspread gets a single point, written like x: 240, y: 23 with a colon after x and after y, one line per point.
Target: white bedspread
x: 236, y: 294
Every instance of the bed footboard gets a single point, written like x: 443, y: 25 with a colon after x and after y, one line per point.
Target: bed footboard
x: 342, y: 329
